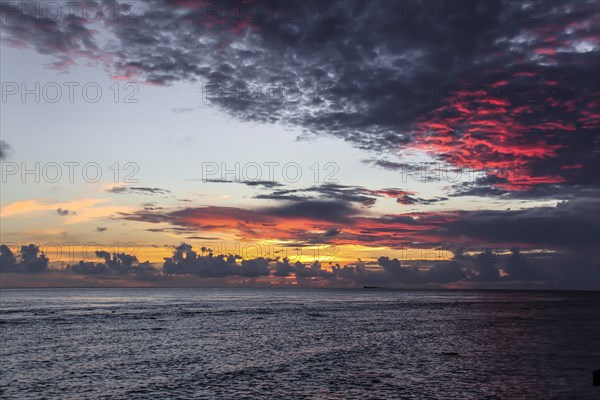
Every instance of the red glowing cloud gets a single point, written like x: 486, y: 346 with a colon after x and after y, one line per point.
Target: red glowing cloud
x: 486, y: 130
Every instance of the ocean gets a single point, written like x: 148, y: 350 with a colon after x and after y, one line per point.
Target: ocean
x: 291, y: 343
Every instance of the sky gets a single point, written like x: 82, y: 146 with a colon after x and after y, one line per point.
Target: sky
x: 408, y: 144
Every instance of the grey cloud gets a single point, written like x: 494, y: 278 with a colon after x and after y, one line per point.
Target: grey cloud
x: 138, y: 190
x: 264, y: 184
x: 570, y: 223
x: 520, y: 269
x: 332, y: 211
x: 336, y: 192
x: 63, y: 212
x: 4, y: 149
x: 332, y: 232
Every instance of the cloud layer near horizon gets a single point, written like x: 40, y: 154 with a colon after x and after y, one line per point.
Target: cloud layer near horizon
x: 29, y: 268
x: 569, y: 224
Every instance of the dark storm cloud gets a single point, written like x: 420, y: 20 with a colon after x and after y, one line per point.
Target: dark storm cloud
x: 138, y: 190
x: 570, y: 223
x: 331, y: 211
x: 492, y: 186
x: 540, y: 191
x: 474, y: 83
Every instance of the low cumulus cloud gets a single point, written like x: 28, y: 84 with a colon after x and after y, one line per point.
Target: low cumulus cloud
x: 187, y: 262
x: 495, y: 268
x: 28, y: 260
x: 514, y: 268
x: 113, y: 264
